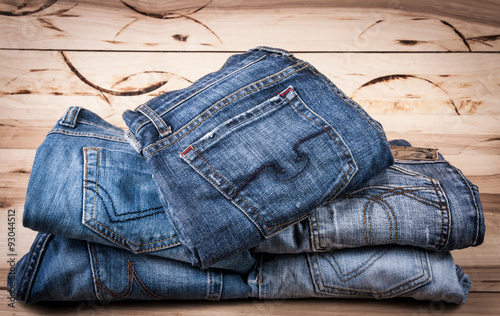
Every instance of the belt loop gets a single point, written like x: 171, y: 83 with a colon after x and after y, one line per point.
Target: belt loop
x: 69, y: 119
x: 162, y: 128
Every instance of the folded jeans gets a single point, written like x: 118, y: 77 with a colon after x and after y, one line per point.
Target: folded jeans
x: 253, y: 148
x: 62, y: 269
x: 114, y: 201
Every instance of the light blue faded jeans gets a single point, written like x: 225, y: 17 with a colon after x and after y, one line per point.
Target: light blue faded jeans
x: 62, y: 269
x: 87, y: 183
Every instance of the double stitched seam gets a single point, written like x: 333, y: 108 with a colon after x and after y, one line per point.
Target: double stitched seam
x: 471, y: 189
x: 106, y: 228
x: 29, y: 267
x: 60, y: 131
x: 146, y: 110
x: 100, y: 284
x: 394, y: 192
x: 343, y: 153
x: 230, y: 197
x: 100, y: 126
x: 208, y: 85
x: 380, y: 293
x: 315, y: 233
x: 444, y: 210
x: 349, y: 101
x: 405, y: 191
x: 381, y: 202
x: 65, y: 121
x: 126, y: 213
x: 131, y: 276
x: 218, y: 109
x: 360, y: 267
x: 144, y: 288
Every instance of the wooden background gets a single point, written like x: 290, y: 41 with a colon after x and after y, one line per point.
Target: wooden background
x: 428, y: 70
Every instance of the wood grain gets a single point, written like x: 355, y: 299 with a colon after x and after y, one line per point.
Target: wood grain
x: 238, y: 25
x: 429, y: 71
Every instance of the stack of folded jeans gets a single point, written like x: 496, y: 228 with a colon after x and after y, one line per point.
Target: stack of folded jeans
x: 260, y: 180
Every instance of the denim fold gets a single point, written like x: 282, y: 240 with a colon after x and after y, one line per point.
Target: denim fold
x: 63, y: 269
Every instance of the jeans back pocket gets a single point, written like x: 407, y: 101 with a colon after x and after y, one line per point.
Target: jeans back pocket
x: 121, y: 202
x: 371, y: 272
x: 275, y: 162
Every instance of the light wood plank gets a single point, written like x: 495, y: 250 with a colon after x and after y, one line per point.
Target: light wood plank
x: 382, y: 83
x: 240, y: 25
x: 477, y: 304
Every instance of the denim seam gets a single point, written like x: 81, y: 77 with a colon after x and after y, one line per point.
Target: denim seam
x: 391, y: 292
x: 382, y: 202
x: 106, y: 228
x: 347, y: 100
x: 58, y: 131
x: 126, y: 213
x: 405, y: 192
x: 218, y: 109
x: 147, y: 111
x: 99, y: 283
x: 99, y: 126
x: 340, y: 147
x: 237, y: 193
x: 471, y: 189
x: 141, y: 284
x: 131, y: 277
x: 359, y: 267
x: 208, y: 85
x: 444, y: 210
x: 315, y: 235
x: 33, y: 266
x: 330, y: 196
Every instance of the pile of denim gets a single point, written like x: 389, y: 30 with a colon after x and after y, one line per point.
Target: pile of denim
x: 260, y: 180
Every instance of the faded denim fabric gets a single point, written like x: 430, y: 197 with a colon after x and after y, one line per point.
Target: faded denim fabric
x: 87, y: 183
x: 251, y: 149
x: 62, y: 269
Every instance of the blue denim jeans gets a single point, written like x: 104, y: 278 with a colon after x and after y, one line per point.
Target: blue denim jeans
x: 424, y: 203
x: 62, y: 269
x: 253, y: 148
x: 87, y: 183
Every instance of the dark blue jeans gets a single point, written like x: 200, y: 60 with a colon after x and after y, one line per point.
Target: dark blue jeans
x: 251, y: 149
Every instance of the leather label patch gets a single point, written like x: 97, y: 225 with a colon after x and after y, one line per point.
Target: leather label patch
x: 414, y: 153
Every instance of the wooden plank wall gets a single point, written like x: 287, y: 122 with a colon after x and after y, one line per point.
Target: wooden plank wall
x: 429, y: 71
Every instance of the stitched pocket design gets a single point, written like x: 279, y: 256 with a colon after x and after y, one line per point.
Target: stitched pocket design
x: 118, y: 274
x: 396, y: 206
x: 369, y: 272
x: 121, y: 203
x: 275, y: 162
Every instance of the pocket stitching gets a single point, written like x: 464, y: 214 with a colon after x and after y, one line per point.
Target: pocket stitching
x: 106, y: 228
x: 371, y: 293
x: 232, y: 199
x: 216, y: 110
x: 340, y: 147
x: 325, y: 129
x: 131, y: 274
